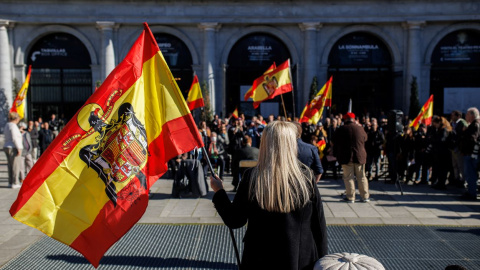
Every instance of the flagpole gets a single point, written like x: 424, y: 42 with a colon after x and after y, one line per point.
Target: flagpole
x: 231, y: 231
x: 293, y: 96
x: 283, y: 103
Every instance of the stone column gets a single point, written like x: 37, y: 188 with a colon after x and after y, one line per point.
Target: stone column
x: 209, y: 60
x: 5, y: 63
x: 309, y: 57
x: 414, y: 59
x: 107, y: 53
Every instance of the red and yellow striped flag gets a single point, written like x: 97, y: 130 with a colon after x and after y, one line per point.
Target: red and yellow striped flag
x: 91, y: 185
x: 250, y: 91
x: 235, y: 113
x: 314, y: 110
x: 272, y: 84
x: 18, y: 105
x: 195, y: 98
x: 321, y: 146
x: 425, y: 115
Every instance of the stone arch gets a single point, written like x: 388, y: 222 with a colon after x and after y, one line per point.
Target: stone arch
x: 259, y: 29
x: 376, y: 31
x: 37, y: 34
x: 167, y: 30
x: 443, y: 33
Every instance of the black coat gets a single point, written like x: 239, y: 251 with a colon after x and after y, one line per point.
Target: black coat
x: 275, y: 240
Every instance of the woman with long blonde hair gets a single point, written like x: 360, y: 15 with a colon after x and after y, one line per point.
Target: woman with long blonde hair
x: 281, y: 203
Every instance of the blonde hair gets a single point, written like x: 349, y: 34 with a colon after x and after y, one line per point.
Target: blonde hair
x: 280, y: 182
x: 13, y: 116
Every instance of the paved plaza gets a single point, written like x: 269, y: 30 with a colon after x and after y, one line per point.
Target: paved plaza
x: 419, y: 207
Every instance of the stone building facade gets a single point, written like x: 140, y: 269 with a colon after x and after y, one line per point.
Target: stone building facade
x: 372, y: 48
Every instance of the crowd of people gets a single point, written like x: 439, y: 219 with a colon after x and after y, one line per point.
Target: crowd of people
x: 442, y: 154
x: 25, y: 142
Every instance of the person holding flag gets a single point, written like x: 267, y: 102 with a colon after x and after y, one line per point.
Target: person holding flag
x: 312, y: 113
x: 18, y: 105
x: 195, y: 98
x: 92, y: 184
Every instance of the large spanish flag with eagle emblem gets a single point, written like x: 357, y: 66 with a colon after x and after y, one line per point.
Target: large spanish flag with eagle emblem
x: 18, y: 105
x: 271, y: 84
x: 91, y: 185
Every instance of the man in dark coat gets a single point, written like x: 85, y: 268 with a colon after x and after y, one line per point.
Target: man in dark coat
x: 374, y: 146
x: 459, y: 125
x: 246, y: 153
x: 308, y: 155
x: 45, y: 137
x: 469, y: 147
x: 349, y: 148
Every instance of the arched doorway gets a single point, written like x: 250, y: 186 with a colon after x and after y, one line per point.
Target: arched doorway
x: 361, y: 66
x: 178, y: 58
x: 249, y: 58
x: 61, y: 79
x: 454, y: 75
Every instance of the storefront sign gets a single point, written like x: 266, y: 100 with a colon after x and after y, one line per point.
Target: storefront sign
x: 459, y: 47
x: 359, y: 49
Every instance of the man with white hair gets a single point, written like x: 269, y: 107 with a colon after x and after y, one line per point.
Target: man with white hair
x: 469, y: 146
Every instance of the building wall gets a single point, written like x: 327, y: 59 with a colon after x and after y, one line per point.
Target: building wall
x: 319, y: 23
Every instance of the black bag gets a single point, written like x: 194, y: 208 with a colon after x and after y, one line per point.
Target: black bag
x: 181, y: 180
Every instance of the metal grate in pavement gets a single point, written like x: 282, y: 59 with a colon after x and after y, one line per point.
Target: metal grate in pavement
x: 155, y: 246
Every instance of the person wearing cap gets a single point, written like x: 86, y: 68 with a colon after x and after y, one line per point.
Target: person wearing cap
x: 27, y: 158
x: 349, y: 148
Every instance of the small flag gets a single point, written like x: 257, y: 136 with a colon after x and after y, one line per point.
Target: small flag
x: 250, y: 91
x: 91, y: 185
x: 195, y: 98
x: 321, y: 146
x: 312, y: 113
x: 235, y: 113
x: 272, y: 84
x: 425, y: 115
x: 18, y: 105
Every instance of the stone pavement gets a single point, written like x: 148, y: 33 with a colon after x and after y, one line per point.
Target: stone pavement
x: 420, y: 205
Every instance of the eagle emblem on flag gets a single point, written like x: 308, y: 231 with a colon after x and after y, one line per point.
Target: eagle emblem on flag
x: 120, y: 151
x: 270, y: 84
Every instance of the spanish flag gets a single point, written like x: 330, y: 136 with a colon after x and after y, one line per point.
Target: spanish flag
x: 250, y: 91
x: 272, y: 84
x: 18, y: 105
x: 312, y: 113
x: 425, y: 115
x: 195, y: 98
x: 235, y: 113
x: 321, y: 146
x: 91, y: 185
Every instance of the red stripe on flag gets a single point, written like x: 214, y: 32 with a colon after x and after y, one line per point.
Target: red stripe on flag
x: 178, y: 136
x: 195, y: 104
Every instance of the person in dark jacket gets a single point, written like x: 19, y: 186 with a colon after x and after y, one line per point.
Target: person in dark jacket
x: 442, y: 158
x: 286, y: 223
x: 373, y: 146
x: 420, y: 146
x: 349, y: 148
x: 45, y: 137
x: 458, y: 125
x: 308, y: 154
x: 246, y: 153
x: 469, y: 146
